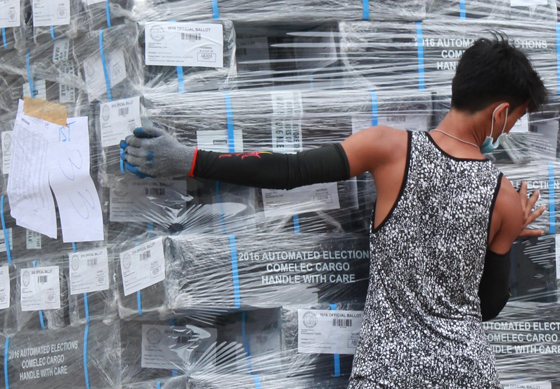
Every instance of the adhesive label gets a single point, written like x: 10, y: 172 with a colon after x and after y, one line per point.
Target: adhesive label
x: 40, y: 288
x: 4, y: 287
x: 130, y: 200
x: 174, y: 347
x: 89, y: 271
x: 67, y: 93
x: 184, y: 44
x: 7, y: 137
x: 95, y: 72
x: 217, y: 140
x: 10, y: 13
x: 51, y: 13
x: 39, y: 90
x: 328, y: 332
x: 118, y: 119
x: 142, y: 266
x: 61, y: 50
x: 32, y: 240
x: 310, y: 198
x: 287, y: 111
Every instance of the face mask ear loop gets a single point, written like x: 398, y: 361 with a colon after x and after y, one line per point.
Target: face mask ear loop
x: 492, y: 126
x: 505, y: 122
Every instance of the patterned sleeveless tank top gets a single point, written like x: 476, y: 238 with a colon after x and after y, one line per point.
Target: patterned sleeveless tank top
x: 422, y: 322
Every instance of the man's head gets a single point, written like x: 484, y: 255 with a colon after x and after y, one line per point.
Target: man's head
x: 494, y: 71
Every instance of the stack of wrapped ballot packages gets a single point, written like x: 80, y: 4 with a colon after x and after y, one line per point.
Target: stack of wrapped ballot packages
x: 190, y: 283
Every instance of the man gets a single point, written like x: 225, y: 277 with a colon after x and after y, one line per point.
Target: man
x: 443, y: 214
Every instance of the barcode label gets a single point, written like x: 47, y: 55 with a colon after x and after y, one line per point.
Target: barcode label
x: 191, y: 36
x: 123, y: 111
x: 154, y: 191
x: 342, y: 323
x: 92, y: 262
x: 146, y: 255
x: 42, y: 279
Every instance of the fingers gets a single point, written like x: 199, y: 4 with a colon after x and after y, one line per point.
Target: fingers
x: 135, y: 141
x: 533, y: 199
x: 535, y: 214
x: 148, y: 132
x: 135, y: 151
x: 523, y: 192
x: 528, y: 233
x: 136, y: 161
x: 135, y: 170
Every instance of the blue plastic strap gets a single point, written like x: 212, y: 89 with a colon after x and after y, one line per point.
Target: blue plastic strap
x: 246, y: 344
x: 558, y: 57
x: 181, y: 79
x: 4, y: 40
x: 257, y: 380
x: 463, y: 12
x: 108, y: 13
x: 551, y: 208
x: 374, y: 108
x: 52, y: 33
x: 420, y: 43
x: 6, y: 354
x: 215, y: 10
x: 105, y: 70
x: 296, y: 224
x: 86, y: 374
x: 365, y: 6
x: 29, y: 74
x: 6, y: 236
x: 139, y: 302
x: 174, y: 373
x: 336, y: 356
x: 229, y: 114
x: 234, y: 271
x: 158, y: 386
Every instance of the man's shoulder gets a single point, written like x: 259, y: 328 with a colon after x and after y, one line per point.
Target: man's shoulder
x: 507, y: 201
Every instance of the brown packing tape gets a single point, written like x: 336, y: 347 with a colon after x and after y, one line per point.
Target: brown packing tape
x: 46, y: 110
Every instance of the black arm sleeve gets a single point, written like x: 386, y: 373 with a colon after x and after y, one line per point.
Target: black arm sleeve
x: 494, y: 284
x: 274, y: 170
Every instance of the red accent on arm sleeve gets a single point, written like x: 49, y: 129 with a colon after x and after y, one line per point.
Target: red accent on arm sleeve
x: 193, y: 165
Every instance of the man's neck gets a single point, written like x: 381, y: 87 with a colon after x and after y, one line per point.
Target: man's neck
x: 463, y: 125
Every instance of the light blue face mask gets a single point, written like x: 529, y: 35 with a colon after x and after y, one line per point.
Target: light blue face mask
x: 489, y: 145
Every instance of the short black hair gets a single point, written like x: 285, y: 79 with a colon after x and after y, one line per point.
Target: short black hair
x: 492, y: 70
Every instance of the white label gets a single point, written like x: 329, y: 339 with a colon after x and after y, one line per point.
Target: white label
x: 165, y: 347
x: 7, y: 137
x: 89, y: 271
x: 60, y: 50
x: 66, y: 93
x: 557, y: 246
x: 51, y: 13
x: 10, y: 13
x: 328, y: 332
x: 252, y: 54
x: 40, y: 288
x: 287, y: 111
x: 95, y: 74
x: 4, y: 287
x: 185, y: 44
x: 3, y: 242
x: 143, y: 266
x: 118, y: 119
x: 528, y: 385
x: 32, y: 240
x: 39, y: 90
x: 311, y: 198
x: 217, y: 140
x: 129, y: 200
x: 405, y: 122
x: 522, y: 125
x: 527, y: 3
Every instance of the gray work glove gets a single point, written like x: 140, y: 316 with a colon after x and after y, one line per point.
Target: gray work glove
x: 151, y: 152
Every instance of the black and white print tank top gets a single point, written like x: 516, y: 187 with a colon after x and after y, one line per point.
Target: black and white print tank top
x: 422, y: 322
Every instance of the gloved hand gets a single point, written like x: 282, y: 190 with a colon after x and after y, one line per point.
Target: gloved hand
x: 151, y: 152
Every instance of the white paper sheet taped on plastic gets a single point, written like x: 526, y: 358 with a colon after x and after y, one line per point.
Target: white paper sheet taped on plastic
x: 310, y: 198
x: 40, y: 288
x: 142, y: 266
x: 69, y: 166
x: 89, y: 271
x: 328, y: 332
x: 185, y: 44
x: 118, y: 119
x: 4, y: 287
x: 7, y: 137
x: 10, y: 13
x: 51, y: 13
